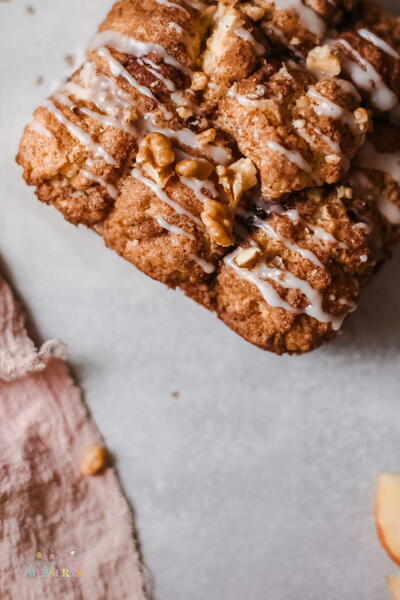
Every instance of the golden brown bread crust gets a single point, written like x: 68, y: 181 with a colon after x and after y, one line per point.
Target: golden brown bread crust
x: 196, y: 130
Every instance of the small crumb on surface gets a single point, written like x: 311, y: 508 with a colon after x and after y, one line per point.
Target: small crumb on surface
x: 93, y: 460
x: 39, y: 80
x: 69, y: 59
x: 175, y: 394
x: 30, y: 9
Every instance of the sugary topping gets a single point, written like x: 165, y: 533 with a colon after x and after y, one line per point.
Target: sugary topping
x: 243, y: 124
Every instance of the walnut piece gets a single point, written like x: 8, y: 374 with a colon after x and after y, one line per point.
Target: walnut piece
x: 207, y: 136
x: 363, y: 119
x: 184, y: 112
x: 255, y: 13
x: 321, y: 59
x: 93, y: 460
x: 198, y: 169
x: 333, y: 159
x: 345, y: 192
x: 247, y: 257
x: 156, y: 156
x: 219, y: 222
x: 199, y: 81
x: 237, y: 178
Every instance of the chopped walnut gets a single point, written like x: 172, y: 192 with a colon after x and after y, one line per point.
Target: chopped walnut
x: 321, y: 59
x: 255, y: 13
x: 363, y: 119
x: 198, y: 169
x: 93, y: 460
x: 237, y: 179
x: 247, y: 257
x: 156, y: 157
x: 184, y: 112
x: 332, y: 159
x: 207, y: 137
x: 219, y: 222
x: 199, y: 81
x: 345, y: 192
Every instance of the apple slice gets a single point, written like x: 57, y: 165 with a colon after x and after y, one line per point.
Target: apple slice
x: 394, y: 586
x: 388, y: 514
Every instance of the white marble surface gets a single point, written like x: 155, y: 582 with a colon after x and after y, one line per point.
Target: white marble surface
x: 258, y: 480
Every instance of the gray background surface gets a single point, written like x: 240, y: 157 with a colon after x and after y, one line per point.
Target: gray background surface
x: 257, y: 481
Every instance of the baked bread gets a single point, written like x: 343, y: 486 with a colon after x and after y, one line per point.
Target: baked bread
x: 247, y: 153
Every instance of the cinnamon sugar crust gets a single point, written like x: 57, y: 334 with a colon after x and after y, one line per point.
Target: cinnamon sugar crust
x: 240, y: 151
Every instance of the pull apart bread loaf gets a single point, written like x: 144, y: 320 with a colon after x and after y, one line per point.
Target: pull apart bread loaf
x: 247, y: 153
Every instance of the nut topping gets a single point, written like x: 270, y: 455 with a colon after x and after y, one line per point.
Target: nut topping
x: 184, y: 112
x: 156, y: 157
x: 363, y: 119
x: 198, y: 169
x: 93, y: 460
x: 207, y: 136
x: 219, y: 222
x: 321, y: 59
x: 237, y: 179
x: 199, y: 81
x: 247, y: 257
x: 345, y: 192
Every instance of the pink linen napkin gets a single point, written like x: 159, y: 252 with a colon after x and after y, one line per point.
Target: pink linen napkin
x: 63, y: 536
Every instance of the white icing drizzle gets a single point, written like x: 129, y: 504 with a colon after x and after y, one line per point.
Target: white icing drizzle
x: 173, y: 228
x: 64, y: 99
x: 309, y: 18
x: 154, y: 69
x: 389, y: 210
x: 389, y: 163
x: 176, y: 27
x: 333, y: 146
x: 198, y: 186
x: 248, y: 37
x: 206, y: 266
x: 290, y: 244
x: 197, y: 4
x: 324, y: 236
x: 294, y: 216
x: 104, y: 94
x: 159, y: 192
x: 267, y: 291
x: 378, y: 42
x: 287, y: 280
x: 349, y: 88
x: 111, y: 189
x: 82, y: 136
x: 129, y: 45
x: 366, y: 77
x: 119, y: 71
x: 108, y: 120
x: 252, y: 99
x: 173, y: 5
x: 292, y: 156
x: 326, y: 107
x: 314, y: 309
x: 186, y: 137
x: 39, y: 127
